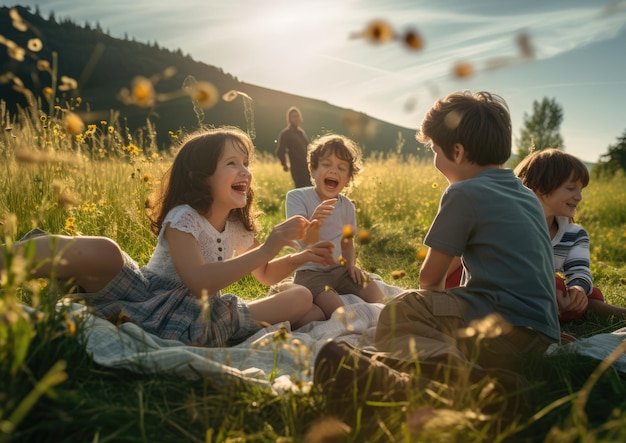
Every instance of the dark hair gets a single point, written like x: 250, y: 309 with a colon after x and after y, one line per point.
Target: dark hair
x: 343, y: 148
x: 544, y: 171
x: 186, y: 182
x: 480, y: 122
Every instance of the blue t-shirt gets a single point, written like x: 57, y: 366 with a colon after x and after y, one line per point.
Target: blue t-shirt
x: 499, y: 229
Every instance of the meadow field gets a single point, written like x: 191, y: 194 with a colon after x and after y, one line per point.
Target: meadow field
x: 98, y: 181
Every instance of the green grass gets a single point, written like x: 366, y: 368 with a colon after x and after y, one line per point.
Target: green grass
x: 51, y: 390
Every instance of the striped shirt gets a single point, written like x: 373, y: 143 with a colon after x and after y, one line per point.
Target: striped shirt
x: 571, y: 254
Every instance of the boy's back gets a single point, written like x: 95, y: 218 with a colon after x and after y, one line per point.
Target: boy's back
x: 497, y: 226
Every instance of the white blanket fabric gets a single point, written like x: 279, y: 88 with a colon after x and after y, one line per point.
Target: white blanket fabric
x: 281, y: 361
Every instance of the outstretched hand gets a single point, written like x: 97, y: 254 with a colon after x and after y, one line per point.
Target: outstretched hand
x: 324, y: 210
x: 287, y: 232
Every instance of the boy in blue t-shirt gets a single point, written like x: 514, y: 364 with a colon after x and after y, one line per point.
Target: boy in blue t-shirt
x: 506, y: 305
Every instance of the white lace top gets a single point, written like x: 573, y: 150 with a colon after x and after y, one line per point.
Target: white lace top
x: 214, y: 245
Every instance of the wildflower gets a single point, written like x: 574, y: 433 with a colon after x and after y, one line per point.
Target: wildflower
x: 69, y: 324
x: 146, y: 178
x: 43, y: 65
x: 491, y: 326
x: 43, y: 118
x: 205, y: 94
x: 16, y: 20
x: 73, y: 123
x: 132, y: 149
x: 169, y: 72
x: 16, y: 53
x: 281, y: 335
x: 347, y: 232
x: 379, y: 31
x: 143, y: 93
x: 421, y: 253
x: 68, y: 84
x: 397, y: 274
x: 111, y: 129
x: 47, y: 92
x: 34, y: 45
x: 364, y: 236
x: 463, y: 69
x: 230, y: 95
x: 413, y: 40
x: 342, y: 261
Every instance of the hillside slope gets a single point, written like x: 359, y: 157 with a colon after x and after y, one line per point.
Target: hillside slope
x: 104, y: 65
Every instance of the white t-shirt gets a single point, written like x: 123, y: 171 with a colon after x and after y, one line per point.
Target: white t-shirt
x: 303, y: 201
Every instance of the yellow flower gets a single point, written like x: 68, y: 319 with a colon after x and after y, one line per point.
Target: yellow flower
x: 143, y: 93
x: 73, y: 123
x: 364, y: 236
x: 205, y: 94
x: 421, y: 253
x: 398, y: 274
x: 68, y: 84
x: 413, y: 40
x: 47, y: 92
x: 342, y: 261
x: 379, y: 31
x: 230, y: 95
x: 111, y: 129
x: 435, y: 185
x: 347, y: 232
x: 43, y: 65
x: 463, y: 69
x: 16, y: 53
x: 34, y: 45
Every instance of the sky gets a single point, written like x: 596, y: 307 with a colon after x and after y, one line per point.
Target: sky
x: 319, y: 49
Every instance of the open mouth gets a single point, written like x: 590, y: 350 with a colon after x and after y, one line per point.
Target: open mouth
x: 331, y: 183
x: 240, y: 187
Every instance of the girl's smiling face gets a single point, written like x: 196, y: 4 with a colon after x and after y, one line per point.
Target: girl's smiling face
x: 230, y: 182
x: 563, y: 200
x: 331, y: 176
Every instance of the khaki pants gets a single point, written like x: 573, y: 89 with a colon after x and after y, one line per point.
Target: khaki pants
x: 429, y: 326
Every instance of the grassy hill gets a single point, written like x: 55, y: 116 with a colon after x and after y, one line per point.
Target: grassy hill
x: 103, y: 65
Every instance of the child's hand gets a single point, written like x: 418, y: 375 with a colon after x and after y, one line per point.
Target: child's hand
x: 574, y: 301
x: 321, y: 252
x: 287, y: 232
x: 312, y: 233
x: 356, y: 275
x: 324, y: 210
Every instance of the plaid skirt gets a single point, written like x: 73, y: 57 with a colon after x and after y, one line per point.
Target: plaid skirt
x: 169, y: 310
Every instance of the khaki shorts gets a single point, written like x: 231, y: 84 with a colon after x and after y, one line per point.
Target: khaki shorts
x: 336, y: 278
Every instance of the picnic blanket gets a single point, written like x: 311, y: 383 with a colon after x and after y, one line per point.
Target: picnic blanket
x: 275, y: 357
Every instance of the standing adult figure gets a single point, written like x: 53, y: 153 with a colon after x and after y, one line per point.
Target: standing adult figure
x: 292, y: 145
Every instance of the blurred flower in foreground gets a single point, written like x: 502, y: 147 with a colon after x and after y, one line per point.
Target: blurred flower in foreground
x: 347, y: 232
x: 378, y: 31
x: 364, y: 236
x: 398, y: 274
x: 73, y: 123
x: 204, y: 93
x: 67, y: 83
x: 421, y: 253
x: 463, y: 69
x: 413, y: 40
x: 230, y: 95
x: 491, y: 326
x: 141, y: 93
